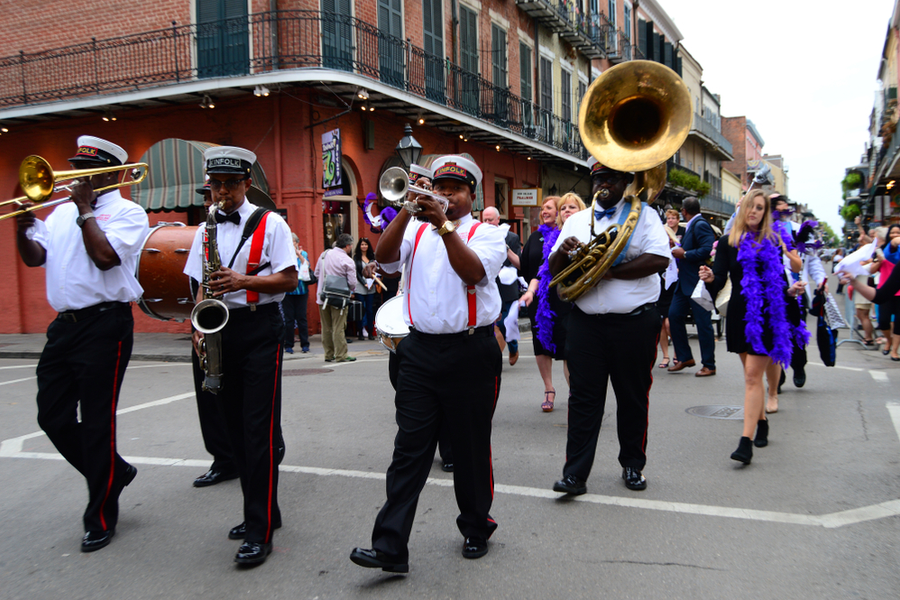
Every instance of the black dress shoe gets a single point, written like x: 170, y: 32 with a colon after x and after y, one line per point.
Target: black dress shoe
x: 94, y: 540
x: 570, y: 485
x: 799, y: 377
x: 633, y: 479
x: 376, y: 559
x: 239, y: 532
x: 762, y: 434
x: 447, y: 467
x: 474, y: 547
x: 214, y: 476
x: 252, y: 553
x: 744, y: 452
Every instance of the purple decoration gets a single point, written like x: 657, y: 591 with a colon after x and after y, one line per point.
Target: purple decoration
x: 803, y: 235
x: 387, y: 215
x: 764, y: 292
x: 785, y: 232
x: 545, y: 317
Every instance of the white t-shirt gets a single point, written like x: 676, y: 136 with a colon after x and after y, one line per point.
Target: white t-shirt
x: 278, y: 251
x: 73, y: 280
x: 620, y: 296
x: 435, y: 296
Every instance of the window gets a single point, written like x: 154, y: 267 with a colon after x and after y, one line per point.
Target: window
x: 498, y: 56
x: 566, y: 95
x: 222, y: 38
x: 525, y: 72
x: 582, y: 90
x: 546, y: 84
x: 612, y: 13
x: 433, y: 32
x: 626, y: 22
x: 390, y: 49
x: 468, y: 60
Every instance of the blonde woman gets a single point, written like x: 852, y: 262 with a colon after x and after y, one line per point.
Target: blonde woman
x: 763, y: 315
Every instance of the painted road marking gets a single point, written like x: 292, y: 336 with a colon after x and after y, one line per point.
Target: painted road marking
x: 879, y: 376
x: 13, y: 448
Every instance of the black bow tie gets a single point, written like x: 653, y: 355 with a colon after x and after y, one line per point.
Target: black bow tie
x: 233, y: 217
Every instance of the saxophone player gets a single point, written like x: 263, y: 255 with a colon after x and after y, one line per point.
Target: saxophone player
x: 613, y: 331
x: 258, y: 266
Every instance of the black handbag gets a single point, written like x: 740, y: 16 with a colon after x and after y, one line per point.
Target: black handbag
x: 356, y: 312
x: 827, y: 342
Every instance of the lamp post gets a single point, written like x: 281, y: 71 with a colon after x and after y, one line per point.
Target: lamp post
x: 409, y: 150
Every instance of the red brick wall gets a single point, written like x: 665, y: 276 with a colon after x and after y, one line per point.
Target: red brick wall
x: 735, y: 131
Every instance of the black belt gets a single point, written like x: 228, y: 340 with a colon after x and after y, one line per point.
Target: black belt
x: 267, y: 307
x: 484, y: 331
x: 73, y: 316
x: 638, y: 311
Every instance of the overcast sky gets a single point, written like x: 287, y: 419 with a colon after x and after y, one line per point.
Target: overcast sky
x: 804, y: 74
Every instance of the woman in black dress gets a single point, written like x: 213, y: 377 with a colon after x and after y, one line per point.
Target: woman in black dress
x: 763, y: 315
x: 549, y: 312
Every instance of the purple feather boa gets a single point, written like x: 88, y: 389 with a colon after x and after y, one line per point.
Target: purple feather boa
x: 763, y: 284
x: 545, y: 317
x: 783, y: 229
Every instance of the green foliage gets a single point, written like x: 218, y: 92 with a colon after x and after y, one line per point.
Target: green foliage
x: 850, y: 212
x: 683, y: 179
x: 828, y: 235
x: 852, y: 181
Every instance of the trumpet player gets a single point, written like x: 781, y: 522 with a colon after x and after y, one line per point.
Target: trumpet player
x: 89, y: 248
x: 261, y: 266
x: 612, y: 332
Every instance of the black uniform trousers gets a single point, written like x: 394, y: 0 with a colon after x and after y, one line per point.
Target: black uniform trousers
x: 294, y: 308
x: 456, y: 378
x: 250, y: 401
x: 444, y: 448
x: 212, y: 424
x: 603, y: 348
x: 84, y: 362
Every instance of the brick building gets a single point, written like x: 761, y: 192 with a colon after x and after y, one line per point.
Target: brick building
x: 500, y: 80
x: 746, y: 144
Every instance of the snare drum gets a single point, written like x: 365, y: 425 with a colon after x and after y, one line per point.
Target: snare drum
x: 160, y: 271
x: 389, y: 323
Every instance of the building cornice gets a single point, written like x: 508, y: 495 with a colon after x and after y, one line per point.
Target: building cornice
x: 662, y: 20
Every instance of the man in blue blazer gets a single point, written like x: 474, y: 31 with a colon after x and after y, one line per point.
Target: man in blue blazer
x: 696, y: 248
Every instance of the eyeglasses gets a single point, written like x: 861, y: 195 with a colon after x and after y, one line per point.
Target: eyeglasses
x: 608, y: 177
x: 230, y: 184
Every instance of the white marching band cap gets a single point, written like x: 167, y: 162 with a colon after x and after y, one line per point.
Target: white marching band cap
x: 94, y: 149
x: 228, y: 159
x: 597, y: 167
x: 457, y: 167
x: 415, y: 171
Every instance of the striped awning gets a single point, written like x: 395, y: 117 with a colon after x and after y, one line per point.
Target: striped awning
x: 177, y: 170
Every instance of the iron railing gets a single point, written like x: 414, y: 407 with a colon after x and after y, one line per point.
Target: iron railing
x: 709, y: 130
x: 264, y: 43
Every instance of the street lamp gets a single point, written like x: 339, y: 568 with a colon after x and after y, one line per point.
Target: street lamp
x: 409, y: 150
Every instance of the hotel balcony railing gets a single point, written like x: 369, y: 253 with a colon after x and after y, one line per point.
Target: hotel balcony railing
x: 709, y: 130
x: 271, y: 42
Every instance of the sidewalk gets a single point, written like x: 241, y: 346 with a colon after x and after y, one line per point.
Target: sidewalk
x: 168, y: 347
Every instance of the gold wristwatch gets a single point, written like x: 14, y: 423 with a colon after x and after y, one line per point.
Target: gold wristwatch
x: 447, y: 227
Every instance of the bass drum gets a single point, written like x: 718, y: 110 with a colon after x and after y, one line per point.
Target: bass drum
x: 389, y: 324
x: 160, y: 271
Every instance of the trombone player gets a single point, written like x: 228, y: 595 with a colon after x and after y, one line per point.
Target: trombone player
x: 89, y: 248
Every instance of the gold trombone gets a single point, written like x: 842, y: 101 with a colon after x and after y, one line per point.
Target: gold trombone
x: 40, y: 182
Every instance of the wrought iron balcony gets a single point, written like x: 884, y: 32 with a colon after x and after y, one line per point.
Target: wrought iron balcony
x: 712, y: 136
x: 266, y: 43
x: 618, y: 46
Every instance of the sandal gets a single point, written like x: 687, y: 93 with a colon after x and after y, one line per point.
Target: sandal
x: 869, y: 342
x: 547, y: 406
x: 664, y: 364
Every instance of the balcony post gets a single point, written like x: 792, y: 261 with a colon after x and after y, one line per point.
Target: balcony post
x: 24, y: 85
x: 96, y: 73
x: 175, y: 51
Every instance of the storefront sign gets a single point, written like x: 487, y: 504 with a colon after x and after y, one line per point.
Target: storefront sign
x: 331, y: 159
x: 526, y: 197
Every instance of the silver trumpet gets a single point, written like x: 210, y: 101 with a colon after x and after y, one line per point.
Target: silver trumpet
x: 394, y: 187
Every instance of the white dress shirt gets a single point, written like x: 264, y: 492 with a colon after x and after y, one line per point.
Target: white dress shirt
x: 620, y: 296
x: 436, y: 294
x: 73, y: 280
x: 278, y: 251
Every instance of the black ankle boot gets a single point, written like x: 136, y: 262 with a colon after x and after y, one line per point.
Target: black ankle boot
x: 744, y: 452
x: 762, y: 434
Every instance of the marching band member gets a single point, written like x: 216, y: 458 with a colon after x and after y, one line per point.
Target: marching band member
x: 449, y: 364
x: 89, y: 248
x: 258, y: 274
x: 612, y: 333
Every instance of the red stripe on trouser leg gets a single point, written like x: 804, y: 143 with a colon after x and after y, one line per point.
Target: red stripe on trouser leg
x: 112, y: 437
x: 272, y: 465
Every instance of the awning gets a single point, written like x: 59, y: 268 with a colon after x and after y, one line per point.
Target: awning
x: 177, y: 170
x: 425, y: 161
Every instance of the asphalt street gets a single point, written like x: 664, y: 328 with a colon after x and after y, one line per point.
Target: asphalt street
x: 814, y: 516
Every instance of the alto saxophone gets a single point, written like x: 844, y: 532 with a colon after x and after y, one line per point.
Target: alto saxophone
x: 210, y: 315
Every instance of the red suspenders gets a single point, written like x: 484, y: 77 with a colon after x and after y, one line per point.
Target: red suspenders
x: 256, y: 246
x: 470, y: 289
